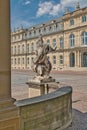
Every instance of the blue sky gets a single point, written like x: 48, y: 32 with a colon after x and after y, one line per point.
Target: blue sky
x: 28, y: 13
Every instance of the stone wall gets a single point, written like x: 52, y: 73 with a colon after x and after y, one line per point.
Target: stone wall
x: 48, y: 112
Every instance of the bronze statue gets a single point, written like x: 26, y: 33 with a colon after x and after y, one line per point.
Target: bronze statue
x: 41, y: 64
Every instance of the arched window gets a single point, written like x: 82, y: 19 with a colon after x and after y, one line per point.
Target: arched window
x: 84, y: 59
x: 72, y: 40
x: 84, y: 38
x: 72, y: 59
x: 54, y: 42
x: 84, y: 18
x: 61, y: 43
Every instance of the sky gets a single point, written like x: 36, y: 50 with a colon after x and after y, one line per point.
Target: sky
x: 27, y: 13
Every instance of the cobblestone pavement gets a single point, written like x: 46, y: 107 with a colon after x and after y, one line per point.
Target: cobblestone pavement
x: 78, y: 81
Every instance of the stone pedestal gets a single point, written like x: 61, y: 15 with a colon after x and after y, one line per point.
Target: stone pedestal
x: 41, y: 88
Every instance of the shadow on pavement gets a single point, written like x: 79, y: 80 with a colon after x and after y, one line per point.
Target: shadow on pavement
x: 79, y: 121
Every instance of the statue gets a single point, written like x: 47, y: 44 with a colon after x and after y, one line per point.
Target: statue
x: 41, y: 64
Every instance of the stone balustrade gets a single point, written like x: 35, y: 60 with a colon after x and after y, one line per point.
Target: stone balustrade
x: 51, y: 111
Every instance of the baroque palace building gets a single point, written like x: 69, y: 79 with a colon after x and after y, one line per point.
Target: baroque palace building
x: 68, y: 33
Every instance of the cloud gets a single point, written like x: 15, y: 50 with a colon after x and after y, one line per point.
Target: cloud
x: 48, y: 8
x: 27, y: 2
x: 44, y: 8
x: 53, y: 9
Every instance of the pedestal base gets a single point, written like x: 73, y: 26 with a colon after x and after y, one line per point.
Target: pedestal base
x: 41, y: 87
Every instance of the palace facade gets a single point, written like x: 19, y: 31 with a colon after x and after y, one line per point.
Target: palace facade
x: 68, y: 33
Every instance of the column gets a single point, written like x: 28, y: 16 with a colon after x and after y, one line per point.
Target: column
x: 5, y: 56
x: 75, y: 59
x: 9, y: 114
x: 78, y: 59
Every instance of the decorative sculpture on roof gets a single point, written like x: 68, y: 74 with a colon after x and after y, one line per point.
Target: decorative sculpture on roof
x: 41, y: 64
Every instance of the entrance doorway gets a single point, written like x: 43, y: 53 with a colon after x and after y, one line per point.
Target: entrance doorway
x: 84, y: 59
x: 72, y: 59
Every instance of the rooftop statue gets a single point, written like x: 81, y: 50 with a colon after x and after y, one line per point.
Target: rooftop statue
x: 41, y: 64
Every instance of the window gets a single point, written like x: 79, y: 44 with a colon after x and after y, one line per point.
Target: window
x: 32, y: 59
x: 83, y: 18
x: 39, y: 31
x: 48, y: 42
x: 61, y: 43
x: 54, y: 59
x: 15, y: 61
x: 54, y: 42
x: 71, y: 22
x: 72, y: 59
x: 72, y: 40
x: 22, y: 48
x: 28, y: 48
x: 84, y: 59
x: 22, y: 60
x: 84, y: 38
x: 57, y: 25
x: 18, y: 36
x: 61, y: 59
x: 32, y: 47
x: 28, y: 60
x: 44, y: 29
x: 50, y: 28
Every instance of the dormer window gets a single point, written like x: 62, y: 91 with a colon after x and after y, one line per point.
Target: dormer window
x: 83, y: 18
x: 71, y: 22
